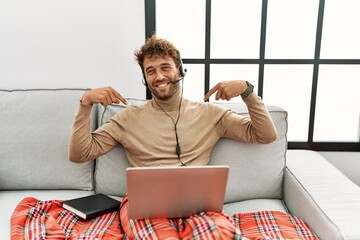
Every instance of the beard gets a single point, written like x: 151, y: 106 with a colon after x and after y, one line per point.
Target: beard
x: 163, y: 90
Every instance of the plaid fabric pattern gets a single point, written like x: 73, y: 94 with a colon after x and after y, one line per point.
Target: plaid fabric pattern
x: 39, y: 220
x: 35, y: 220
x: 200, y: 226
x: 265, y: 225
x: 272, y: 225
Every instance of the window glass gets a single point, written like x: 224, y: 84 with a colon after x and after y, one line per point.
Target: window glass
x: 182, y: 23
x: 235, y: 28
x: 225, y: 72
x: 291, y: 29
x: 194, y: 82
x: 289, y: 86
x: 341, y: 31
x: 338, y: 104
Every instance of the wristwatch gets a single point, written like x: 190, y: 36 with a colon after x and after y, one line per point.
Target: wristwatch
x: 248, y: 90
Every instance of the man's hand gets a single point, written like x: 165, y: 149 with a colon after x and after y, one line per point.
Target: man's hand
x: 105, y: 96
x: 227, y: 90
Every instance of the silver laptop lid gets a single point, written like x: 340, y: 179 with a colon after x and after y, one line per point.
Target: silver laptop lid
x: 170, y: 192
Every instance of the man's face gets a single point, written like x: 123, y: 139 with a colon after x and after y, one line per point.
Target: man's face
x: 159, y: 73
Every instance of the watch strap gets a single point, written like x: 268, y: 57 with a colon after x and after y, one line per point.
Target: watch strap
x: 248, y: 90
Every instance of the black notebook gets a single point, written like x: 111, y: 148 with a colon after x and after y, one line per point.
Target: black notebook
x: 92, y: 206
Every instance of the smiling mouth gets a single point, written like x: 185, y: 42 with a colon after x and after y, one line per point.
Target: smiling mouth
x: 161, y: 85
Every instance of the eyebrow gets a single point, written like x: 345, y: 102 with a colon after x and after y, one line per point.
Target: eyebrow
x: 161, y: 65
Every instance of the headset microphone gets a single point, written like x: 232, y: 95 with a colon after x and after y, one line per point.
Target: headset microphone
x: 183, y: 73
x: 177, y: 80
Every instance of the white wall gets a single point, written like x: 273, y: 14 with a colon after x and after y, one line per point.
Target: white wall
x: 71, y: 43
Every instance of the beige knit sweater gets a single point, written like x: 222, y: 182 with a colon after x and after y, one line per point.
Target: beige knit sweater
x: 148, y: 136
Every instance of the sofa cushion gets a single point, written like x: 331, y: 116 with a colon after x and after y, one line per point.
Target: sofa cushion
x: 255, y: 205
x: 35, y: 127
x: 110, y: 169
x: 256, y: 170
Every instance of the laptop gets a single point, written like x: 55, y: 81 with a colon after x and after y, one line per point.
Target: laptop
x: 172, y: 192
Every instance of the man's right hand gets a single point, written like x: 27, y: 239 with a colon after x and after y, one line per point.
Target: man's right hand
x: 105, y: 96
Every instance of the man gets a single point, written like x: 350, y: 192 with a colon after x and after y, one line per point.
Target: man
x: 170, y: 130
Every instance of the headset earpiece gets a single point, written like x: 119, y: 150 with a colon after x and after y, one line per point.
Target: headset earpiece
x: 182, y: 69
x: 144, y: 79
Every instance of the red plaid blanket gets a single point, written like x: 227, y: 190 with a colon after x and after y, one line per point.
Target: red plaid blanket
x: 35, y: 220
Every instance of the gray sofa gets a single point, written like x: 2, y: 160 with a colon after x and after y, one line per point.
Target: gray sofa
x: 35, y: 126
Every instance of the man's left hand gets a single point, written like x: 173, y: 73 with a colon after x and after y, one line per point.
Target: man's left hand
x: 227, y: 90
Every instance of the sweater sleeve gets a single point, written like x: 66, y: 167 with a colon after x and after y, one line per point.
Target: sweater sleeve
x: 257, y: 128
x: 85, y: 145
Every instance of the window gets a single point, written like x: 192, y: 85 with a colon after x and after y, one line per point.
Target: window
x: 289, y: 86
x: 235, y: 29
x: 302, y: 55
x: 336, y: 119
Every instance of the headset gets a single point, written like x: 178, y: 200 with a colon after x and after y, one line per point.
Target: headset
x: 183, y: 73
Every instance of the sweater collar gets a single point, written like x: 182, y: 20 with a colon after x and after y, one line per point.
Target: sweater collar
x: 169, y: 104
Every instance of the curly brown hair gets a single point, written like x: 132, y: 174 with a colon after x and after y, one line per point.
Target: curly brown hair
x: 157, y: 47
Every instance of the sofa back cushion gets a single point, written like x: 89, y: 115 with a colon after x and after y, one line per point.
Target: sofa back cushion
x: 110, y: 169
x: 35, y: 126
x: 256, y: 170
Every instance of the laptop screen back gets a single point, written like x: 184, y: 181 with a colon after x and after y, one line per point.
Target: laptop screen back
x: 169, y: 192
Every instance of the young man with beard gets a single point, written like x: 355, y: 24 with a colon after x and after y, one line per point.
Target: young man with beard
x: 170, y: 121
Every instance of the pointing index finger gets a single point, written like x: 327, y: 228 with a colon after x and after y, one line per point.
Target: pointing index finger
x: 121, y: 98
x: 118, y: 96
x: 211, y: 92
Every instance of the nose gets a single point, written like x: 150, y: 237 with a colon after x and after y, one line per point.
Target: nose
x: 159, y: 75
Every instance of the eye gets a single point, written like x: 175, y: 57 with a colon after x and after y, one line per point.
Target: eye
x: 150, y: 72
x: 166, y: 68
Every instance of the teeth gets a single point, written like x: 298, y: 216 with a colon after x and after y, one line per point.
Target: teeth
x: 162, y: 85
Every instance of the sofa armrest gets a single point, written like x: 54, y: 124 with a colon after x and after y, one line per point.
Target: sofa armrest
x: 321, y: 195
